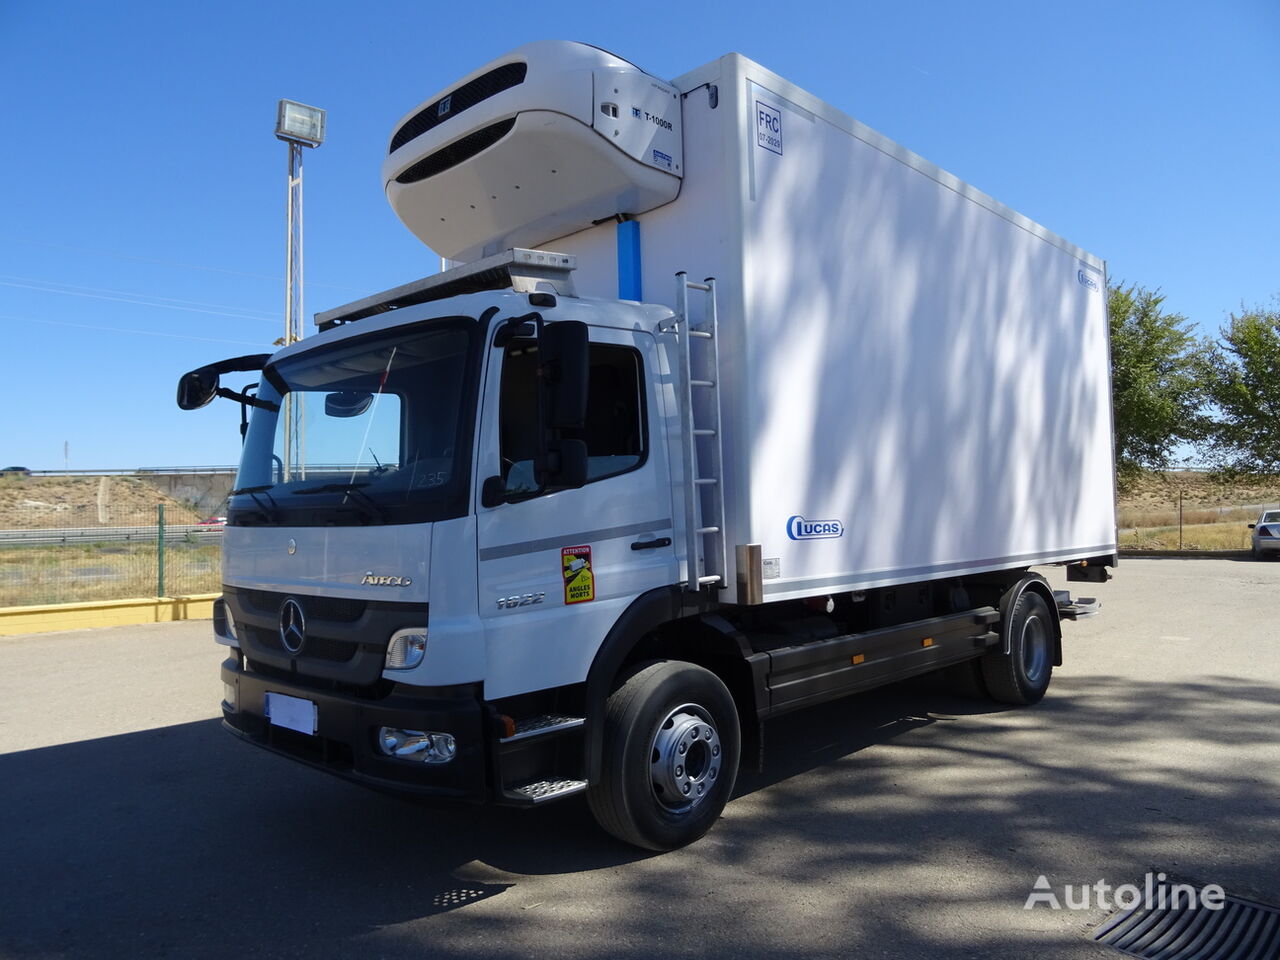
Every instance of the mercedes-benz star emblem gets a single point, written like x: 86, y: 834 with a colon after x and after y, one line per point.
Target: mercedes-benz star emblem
x: 293, y: 625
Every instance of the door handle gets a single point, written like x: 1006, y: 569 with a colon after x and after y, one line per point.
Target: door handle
x: 651, y: 544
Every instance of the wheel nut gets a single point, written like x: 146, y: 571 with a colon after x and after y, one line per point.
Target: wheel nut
x: 679, y: 771
x: 715, y: 751
x: 682, y: 748
x: 707, y: 735
x: 685, y: 788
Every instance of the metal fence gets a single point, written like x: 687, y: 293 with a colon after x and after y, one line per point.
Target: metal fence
x: 87, y: 538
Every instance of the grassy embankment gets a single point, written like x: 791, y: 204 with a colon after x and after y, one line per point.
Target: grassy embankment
x: 1214, y: 511
x: 110, y: 570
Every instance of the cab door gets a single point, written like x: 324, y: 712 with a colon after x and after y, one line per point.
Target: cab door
x: 556, y: 570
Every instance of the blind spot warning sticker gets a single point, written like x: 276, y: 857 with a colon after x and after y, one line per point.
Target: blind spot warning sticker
x: 579, y: 582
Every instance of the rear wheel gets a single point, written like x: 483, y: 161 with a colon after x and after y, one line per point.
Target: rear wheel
x: 1022, y: 675
x: 671, y: 744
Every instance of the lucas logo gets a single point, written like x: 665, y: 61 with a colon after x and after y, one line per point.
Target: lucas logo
x: 798, y: 528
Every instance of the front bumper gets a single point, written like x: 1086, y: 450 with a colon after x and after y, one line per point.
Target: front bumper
x: 1262, y: 545
x: 344, y: 741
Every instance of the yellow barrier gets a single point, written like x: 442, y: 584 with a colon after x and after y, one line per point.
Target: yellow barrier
x: 104, y: 613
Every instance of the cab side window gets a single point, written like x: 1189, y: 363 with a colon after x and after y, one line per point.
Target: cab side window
x: 614, y: 429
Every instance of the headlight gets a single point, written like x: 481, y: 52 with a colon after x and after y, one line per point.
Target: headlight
x: 407, y: 648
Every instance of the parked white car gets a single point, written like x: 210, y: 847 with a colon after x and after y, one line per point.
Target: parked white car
x: 1266, y: 534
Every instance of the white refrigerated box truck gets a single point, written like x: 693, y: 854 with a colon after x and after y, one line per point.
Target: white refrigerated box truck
x: 728, y: 405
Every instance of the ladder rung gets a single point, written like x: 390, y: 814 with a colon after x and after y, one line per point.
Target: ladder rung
x: 701, y: 432
x: 706, y: 481
x: 702, y: 383
x: 708, y: 529
x: 714, y: 578
x: 700, y: 334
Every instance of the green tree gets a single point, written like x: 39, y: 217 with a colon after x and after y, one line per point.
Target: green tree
x: 1157, y: 380
x: 1244, y: 387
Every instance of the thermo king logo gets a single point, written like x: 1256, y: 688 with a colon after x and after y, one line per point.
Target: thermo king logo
x: 1086, y: 280
x: 798, y: 528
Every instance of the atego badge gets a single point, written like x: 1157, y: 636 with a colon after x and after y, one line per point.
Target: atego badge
x: 579, y: 582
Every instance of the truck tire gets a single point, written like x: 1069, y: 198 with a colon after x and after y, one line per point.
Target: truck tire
x: 671, y: 745
x: 1022, y: 675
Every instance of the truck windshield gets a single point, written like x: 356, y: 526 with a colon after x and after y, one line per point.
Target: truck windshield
x: 375, y: 429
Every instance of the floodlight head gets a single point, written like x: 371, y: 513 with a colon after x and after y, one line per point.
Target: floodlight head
x: 299, y: 123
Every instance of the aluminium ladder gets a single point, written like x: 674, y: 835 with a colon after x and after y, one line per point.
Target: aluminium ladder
x: 700, y: 429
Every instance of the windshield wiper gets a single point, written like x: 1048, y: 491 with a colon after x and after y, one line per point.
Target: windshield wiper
x: 372, y: 507
x: 270, y: 513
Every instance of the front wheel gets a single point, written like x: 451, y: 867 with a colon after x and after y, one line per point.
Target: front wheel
x: 1022, y: 675
x: 671, y: 745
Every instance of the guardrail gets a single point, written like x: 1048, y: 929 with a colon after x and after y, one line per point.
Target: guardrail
x: 127, y: 471
x: 146, y: 534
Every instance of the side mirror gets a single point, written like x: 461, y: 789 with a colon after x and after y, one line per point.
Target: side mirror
x: 493, y: 493
x: 1253, y: 526
x: 197, y: 388
x: 347, y: 403
x: 562, y: 372
x: 572, y: 469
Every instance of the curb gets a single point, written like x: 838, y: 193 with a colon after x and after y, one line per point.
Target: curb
x: 1186, y: 554
x: 104, y: 613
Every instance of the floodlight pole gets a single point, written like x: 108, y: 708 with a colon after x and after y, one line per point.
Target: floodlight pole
x: 298, y: 125
x: 293, y: 300
x: 293, y: 247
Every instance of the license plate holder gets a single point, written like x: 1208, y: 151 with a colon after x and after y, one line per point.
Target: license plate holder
x: 292, y: 713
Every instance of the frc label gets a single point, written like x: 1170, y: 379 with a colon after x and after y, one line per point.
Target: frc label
x: 579, y: 581
x: 798, y: 528
x: 768, y: 127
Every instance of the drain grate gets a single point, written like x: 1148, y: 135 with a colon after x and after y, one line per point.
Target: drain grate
x: 1170, y: 929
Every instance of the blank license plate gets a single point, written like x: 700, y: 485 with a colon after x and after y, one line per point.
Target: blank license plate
x: 292, y: 713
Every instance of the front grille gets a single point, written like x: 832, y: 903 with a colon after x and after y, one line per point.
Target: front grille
x: 466, y: 96
x: 336, y: 609
x: 314, y: 648
x: 456, y: 152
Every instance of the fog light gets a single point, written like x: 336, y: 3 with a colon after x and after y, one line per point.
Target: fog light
x: 406, y: 649
x: 421, y: 745
x: 229, y: 695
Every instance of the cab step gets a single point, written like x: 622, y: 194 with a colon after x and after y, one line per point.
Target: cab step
x: 543, y: 726
x: 540, y: 791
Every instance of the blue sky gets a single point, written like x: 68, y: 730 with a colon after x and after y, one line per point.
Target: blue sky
x: 142, y: 225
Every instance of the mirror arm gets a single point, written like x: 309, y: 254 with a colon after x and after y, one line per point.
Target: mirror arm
x: 510, y: 327
x: 244, y: 398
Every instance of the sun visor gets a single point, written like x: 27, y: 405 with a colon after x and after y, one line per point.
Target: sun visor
x: 534, y: 146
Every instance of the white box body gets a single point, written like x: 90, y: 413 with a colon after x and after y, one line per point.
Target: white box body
x: 899, y: 353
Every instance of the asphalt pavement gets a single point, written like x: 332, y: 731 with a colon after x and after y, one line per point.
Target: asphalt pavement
x: 903, y: 823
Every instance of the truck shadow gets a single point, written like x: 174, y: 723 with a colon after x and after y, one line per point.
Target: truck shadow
x: 180, y: 841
